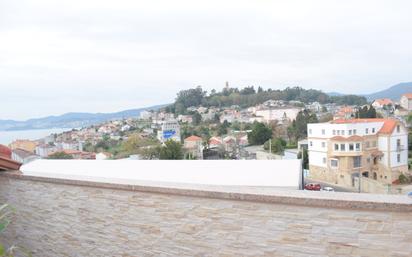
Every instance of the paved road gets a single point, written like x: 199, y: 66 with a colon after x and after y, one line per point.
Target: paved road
x: 325, y: 184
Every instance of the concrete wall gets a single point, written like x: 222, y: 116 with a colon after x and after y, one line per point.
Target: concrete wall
x: 64, y: 218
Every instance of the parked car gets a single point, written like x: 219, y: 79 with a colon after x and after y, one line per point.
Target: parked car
x: 328, y: 189
x: 313, y: 187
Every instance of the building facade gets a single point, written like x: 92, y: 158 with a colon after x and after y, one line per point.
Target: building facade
x: 169, y: 130
x: 406, y: 101
x: 342, y: 150
x: 193, y: 146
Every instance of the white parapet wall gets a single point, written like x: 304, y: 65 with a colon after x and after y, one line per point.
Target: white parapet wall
x: 280, y: 174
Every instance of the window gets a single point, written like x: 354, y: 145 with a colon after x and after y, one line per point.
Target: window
x: 356, y: 162
x: 336, y: 147
x: 354, y: 131
x: 342, y: 147
x: 398, y: 143
x: 310, y: 131
x: 357, y: 146
x: 350, y: 132
x: 334, y: 132
x: 310, y: 143
x: 323, y: 144
x: 324, y: 160
x: 338, y: 132
x: 351, y: 148
x: 334, y: 163
x: 323, y: 132
x: 398, y: 128
x: 398, y: 157
x: 373, y: 130
x: 366, y: 131
x: 343, y: 132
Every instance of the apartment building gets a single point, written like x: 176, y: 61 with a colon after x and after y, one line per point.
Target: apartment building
x: 169, y: 129
x: 341, y: 150
x: 278, y: 114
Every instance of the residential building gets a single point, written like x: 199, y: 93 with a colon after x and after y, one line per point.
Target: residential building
x: 345, y: 113
x: 103, y: 156
x: 24, y: 144
x: 215, y: 142
x: 45, y: 150
x: 341, y: 150
x: 382, y: 103
x: 406, y: 101
x: 279, y: 114
x: 185, y: 118
x: 23, y: 156
x: 169, y: 129
x: 193, y: 146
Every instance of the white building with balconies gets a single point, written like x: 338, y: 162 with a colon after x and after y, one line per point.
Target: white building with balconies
x: 341, y: 150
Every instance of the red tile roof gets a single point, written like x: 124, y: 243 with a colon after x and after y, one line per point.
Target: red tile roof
x: 384, y: 101
x: 408, y: 95
x: 8, y: 164
x: 193, y: 138
x: 5, y: 151
x: 387, y: 128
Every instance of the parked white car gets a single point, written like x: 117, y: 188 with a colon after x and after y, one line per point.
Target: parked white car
x: 328, y: 189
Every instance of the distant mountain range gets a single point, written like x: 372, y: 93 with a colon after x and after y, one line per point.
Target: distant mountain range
x: 394, y: 92
x: 71, y: 120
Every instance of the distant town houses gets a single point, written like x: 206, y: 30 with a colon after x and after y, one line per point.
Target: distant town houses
x: 382, y: 103
x: 185, y: 118
x: 282, y: 114
x: 345, y: 113
x: 221, y: 132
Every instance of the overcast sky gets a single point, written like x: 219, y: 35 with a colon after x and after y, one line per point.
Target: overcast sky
x: 105, y: 56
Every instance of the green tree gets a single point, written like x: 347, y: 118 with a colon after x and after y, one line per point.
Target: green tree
x: 189, y: 97
x: 366, y: 112
x: 305, y: 158
x: 197, y: 118
x: 298, y: 129
x: 278, y: 145
x: 260, y: 134
x: 171, y: 150
x: 60, y: 156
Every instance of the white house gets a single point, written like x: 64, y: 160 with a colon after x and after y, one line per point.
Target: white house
x: 278, y: 114
x: 381, y: 103
x: 103, y: 156
x: 406, y: 101
x: 342, y: 149
x: 23, y: 156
